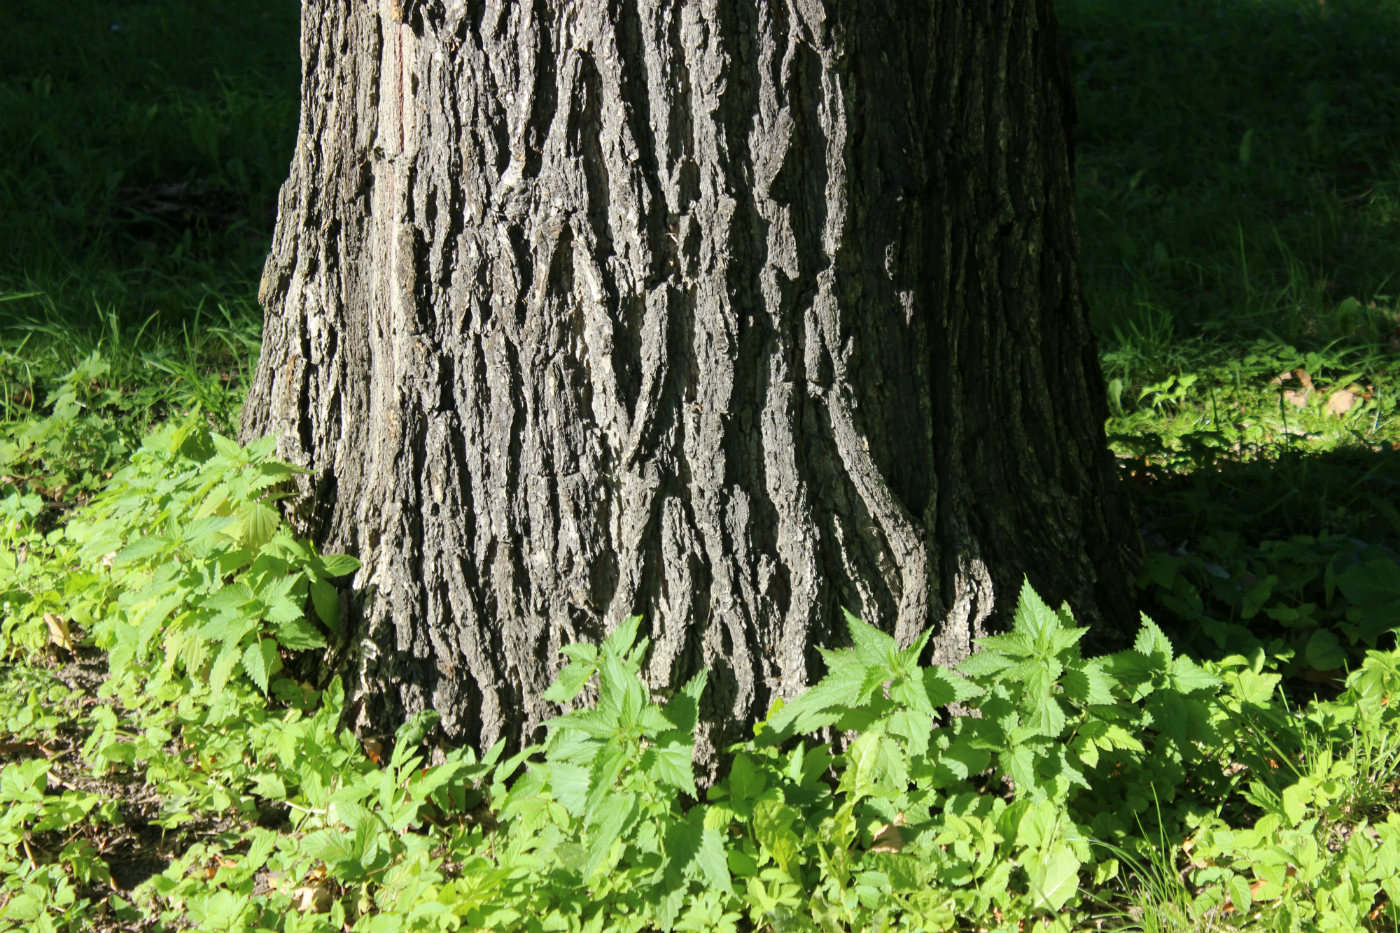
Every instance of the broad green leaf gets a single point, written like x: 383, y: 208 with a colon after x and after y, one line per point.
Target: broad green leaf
x: 270, y: 787
x: 1035, y: 618
x: 569, y: 782
x: 612, y: 816
x: 961, y: 759
x: 1054, y: 877
x: 222, y: 668
x: 1189, y: 677
x: 987, y: 663
x: 620, y: 640
x: 1324, y: 651
x: 581, y: 652
x: 338, y: 565
x: 683, y: 709
x: 326, y: 600
x: 1045, y: 715
x: 772, y: 828
x: 615, y: 681
x: 1240, y: 896
x: 228, y: 448
x: 1089, y: 684
x: 713, y: 864
x: 1018, y: 763
x: 602, y: 780
x: 415, y: 729
x: 673, y: 766
x: 256, y: 525
x: 827, y: 701
x: 745, y: 781
x: 332, y: 846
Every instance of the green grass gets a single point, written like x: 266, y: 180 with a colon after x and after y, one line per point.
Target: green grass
x: 144, y: 143
x: 1239, y: 201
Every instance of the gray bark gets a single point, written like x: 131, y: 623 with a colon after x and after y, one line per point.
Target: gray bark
x: 726, y: 313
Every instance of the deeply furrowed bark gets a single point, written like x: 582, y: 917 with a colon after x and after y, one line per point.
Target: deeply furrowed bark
x: 729, y: 314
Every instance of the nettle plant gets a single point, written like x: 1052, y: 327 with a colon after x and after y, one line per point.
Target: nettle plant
x: 213, y: 583
x: 925, y: 816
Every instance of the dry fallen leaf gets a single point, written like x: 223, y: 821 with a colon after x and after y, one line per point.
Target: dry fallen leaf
x: 58, y: 632
x: 1340, y: 402
x: 888, y: 839
x: 1296, y: 398
x: 314, y: 899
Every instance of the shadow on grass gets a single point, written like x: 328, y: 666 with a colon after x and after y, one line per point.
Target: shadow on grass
x: 144, y: 145
x: 1297, y: 555
x: 1239, y: 167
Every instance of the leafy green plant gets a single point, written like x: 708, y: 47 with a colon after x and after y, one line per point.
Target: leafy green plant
x: 212, y: 585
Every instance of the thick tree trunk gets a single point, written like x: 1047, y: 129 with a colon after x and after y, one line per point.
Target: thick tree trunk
x: 726, y: 313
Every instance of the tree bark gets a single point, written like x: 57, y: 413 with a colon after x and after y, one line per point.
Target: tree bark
x: 729, y: 314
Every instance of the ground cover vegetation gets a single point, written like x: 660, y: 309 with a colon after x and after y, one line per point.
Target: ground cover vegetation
x: 171, y: 756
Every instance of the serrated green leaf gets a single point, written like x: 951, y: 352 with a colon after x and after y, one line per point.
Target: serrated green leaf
x: 615, y: 681
x: 986, y: 663
x: 1087, y: 751
x: 297, y: 634
x: 713, y: 863
x: 827, y: 701
x: 1088, y: 684
x: 1046, y: 716
x: 620, y: 640
x: 570, y: 682
x: 1189, y: 677
x: 338, y: 565
x: 228, y: 448
x: 1018, y: 763
x: 1152, y: 643
x: 222, y: 668
x: 772, y: 828
x: 269, y: 787
x: 569, y: 782
x: 671, y: 766
x: 613, y: 815
x: 255, y: 525
x: 602, y: 778
x: 745, y: 782
x: 1034, y: 618
x: 871, y: 647
x: 260, y: 661
x: 410, y: 735
x: 683, y: 709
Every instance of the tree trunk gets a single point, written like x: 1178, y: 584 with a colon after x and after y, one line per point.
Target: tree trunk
x: 729, y: 314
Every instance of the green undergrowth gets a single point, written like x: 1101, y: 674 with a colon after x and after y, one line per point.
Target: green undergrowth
x: 1238, y: 194
x: 158, y: 643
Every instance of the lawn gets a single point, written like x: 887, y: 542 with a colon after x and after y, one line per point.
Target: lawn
x: 170, y: 761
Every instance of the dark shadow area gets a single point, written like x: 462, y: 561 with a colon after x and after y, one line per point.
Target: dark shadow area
x: 1237, y: 166
x: 1300, y: 554
x: 144, y: 144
